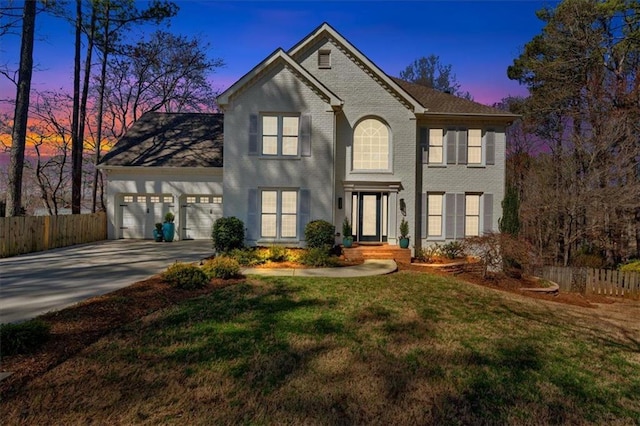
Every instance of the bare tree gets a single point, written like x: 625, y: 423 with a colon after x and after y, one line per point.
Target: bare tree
x: 583, y: 73
x: 19, y: 134
x: 429, y: 71
x: 167, y: 73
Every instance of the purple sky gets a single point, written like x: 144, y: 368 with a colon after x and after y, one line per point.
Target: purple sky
x: 479, y: 39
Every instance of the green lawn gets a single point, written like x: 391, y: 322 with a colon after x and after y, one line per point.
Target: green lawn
x: 406, y: 348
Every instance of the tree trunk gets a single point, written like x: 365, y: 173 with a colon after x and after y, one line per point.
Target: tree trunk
x: 21, y: 115
x: 76, y: 141
x: 103, y: 82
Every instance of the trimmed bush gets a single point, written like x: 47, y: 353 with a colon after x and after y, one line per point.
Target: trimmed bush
x: 278, y: 253
x: 224, y: 267
x: 452, y: 250
x: 320, y: 233
x: 632, y: 266
x: 185, y: 276
x: 248, y: 256
x: 318, y: 256
x: 429, y: 253
x: 227, y: 234
x: 24, y: 337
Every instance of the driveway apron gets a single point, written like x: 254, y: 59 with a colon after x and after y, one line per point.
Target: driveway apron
x: 36, y: 283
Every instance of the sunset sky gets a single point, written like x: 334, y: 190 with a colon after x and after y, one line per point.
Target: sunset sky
x: 479, y: 38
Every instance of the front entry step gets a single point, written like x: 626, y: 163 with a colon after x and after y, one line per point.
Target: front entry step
x: 384, y: 251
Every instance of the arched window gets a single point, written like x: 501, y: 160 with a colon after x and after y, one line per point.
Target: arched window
x: 371, y: 145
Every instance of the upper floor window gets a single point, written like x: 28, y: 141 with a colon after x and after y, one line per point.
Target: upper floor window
x: 371, y: 145
x: 435, y: 146
x: 474, y: 147
x: 280, y: 135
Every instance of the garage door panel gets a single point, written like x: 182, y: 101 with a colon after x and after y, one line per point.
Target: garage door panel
x: 199, y: 219
x: 134, y: 220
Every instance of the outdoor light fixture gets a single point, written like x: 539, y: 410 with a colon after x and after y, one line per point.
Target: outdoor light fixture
x: 340, y: 203
x: 403, y: 207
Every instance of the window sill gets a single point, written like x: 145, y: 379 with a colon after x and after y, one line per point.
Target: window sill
x: 280, y: 157
x: 262, y: 240
x: 370, y: 172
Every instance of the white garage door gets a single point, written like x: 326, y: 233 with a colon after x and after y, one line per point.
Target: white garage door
x: 199, y: 213
x: 140, y: 212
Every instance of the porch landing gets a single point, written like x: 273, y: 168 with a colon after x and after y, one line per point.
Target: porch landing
x: 379, y: 251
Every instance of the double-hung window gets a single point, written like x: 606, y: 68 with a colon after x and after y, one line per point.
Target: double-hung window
x: 279, y: 213
x: 474, y: 147
x: 280, y: 135
x: 472, y: 215
x: 436, y: 139
x: 434, y: 218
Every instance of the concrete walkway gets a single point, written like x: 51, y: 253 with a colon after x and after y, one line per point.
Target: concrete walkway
x: 35, y: 283
x: 366, y: 269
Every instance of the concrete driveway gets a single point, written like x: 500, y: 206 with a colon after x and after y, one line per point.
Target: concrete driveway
x: 36, y: 283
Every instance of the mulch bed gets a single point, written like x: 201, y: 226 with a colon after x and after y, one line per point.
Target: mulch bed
x: 513, y: 285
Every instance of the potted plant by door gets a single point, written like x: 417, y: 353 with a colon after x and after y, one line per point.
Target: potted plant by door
x: 404, y: 234
x: 168, y: 227
x: 347, y: 235
x: 157, y: 233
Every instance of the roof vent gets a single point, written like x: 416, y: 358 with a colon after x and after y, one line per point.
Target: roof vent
x: 324, y: 59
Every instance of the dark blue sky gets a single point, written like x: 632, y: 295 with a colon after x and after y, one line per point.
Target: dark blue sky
x: 479, y: 38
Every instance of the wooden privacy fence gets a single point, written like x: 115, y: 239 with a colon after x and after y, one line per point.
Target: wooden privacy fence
x: 593, y: 281
x: 26, y: 234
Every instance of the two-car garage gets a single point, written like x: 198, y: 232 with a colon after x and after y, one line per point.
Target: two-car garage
x: 166, y: 162
x: 194, y: 214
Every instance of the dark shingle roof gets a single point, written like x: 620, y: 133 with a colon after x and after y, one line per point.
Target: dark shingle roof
x: 170, y: 140
x: 439, y: 102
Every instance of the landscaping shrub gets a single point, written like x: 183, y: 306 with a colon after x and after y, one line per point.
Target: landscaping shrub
x: 452, y: 250
x: 632, y: 266
x: 247, y: 256
x: 227, y: 234
x: 277, y: 253
x: 320, y: 233
x: 318, y: 256
x: 185, y: 276
x: 427, y: 254
x: 224, y: 267
x: 23, y: 337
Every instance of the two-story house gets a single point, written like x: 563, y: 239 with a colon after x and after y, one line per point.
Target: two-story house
x: 320, y: 132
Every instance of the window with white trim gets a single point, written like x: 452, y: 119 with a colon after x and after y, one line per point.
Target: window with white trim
x: 472, y: 215
x: 371, y: 145
x: 278, y: 214
x: 191, y: 200
x: 141, y: 198
x: 280, y: 135
x: 154, y: 198
x: 434, y: 217
x: 128, y: 198
x: 474, y: 147
x: 217, y: 200
x: 436, y: 139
